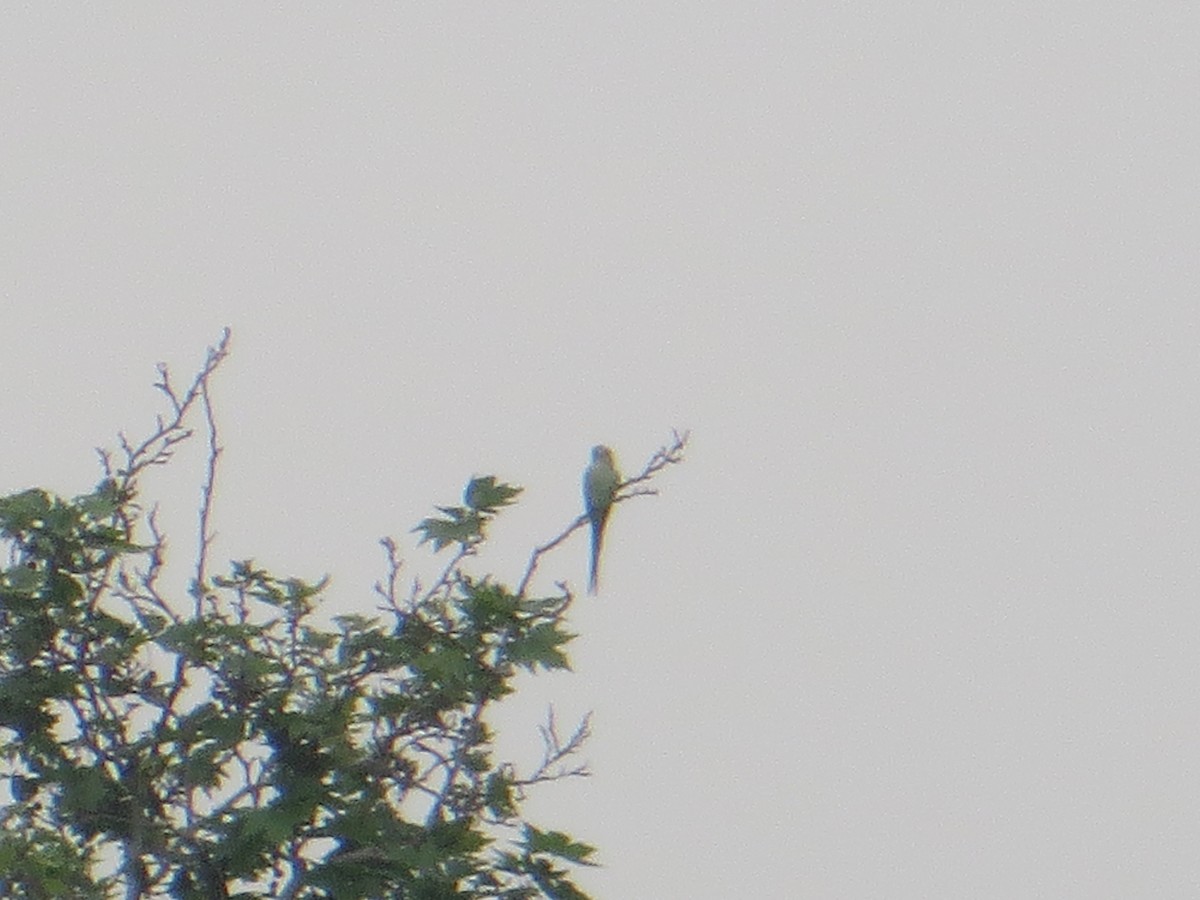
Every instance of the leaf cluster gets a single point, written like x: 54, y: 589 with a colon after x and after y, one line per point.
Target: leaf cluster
x: 237, y: 742
x: 464, y: 525
x: 247, y: 749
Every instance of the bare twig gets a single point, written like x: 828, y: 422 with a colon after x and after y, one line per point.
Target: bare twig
x: 205, y: 536
x: 387, y: 591
x: 158, y: 448
x: 555, y: 750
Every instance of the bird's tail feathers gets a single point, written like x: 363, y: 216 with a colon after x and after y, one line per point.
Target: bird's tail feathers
x: 598, y: 523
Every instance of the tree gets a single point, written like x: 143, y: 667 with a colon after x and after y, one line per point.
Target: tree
x: 227, y: 744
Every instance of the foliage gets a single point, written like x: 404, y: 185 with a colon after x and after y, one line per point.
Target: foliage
x: 227, y: 744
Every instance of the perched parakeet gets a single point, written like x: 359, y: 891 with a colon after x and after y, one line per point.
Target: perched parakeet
x: 600, y: 481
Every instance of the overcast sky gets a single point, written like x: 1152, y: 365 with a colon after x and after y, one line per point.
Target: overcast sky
x: 918, y: 616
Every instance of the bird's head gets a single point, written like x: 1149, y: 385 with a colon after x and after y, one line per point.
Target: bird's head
x: 602, y: 454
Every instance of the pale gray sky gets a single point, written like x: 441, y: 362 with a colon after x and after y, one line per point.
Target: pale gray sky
x: 918, y: 618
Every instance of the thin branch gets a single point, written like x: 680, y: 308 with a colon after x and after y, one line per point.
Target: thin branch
x: 556, y: 750
x: 459, y: 743
x: 205, y: 536
x: 157, y: 449
x: 388, y: 593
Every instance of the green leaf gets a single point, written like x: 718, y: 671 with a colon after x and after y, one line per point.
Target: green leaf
x: 110, y: 626
x: 557, y: 843
x: 540, y: 647
x: 461, y: 526
x: 353, y: 622
x: 201, y: 769
x: 62, y: 590
x: 86, y: 788
x: 21, y: 511
x: 444, y: 664
x: 102, y: 503
x: 499, y: 795
x: 192, y: 639
x: 61, y: 519
x: 486, y: 495
x: 488, y: 604
x: 25, y: 579
x: 153, y: 622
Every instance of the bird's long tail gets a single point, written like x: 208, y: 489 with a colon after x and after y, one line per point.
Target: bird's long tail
x: 598, y: 521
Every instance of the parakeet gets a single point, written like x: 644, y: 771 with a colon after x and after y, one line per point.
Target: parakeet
x: 600, y: 481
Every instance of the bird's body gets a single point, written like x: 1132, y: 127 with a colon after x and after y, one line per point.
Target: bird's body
x: 600, y: 482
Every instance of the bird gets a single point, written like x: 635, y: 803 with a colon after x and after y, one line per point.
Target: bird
x: 600, y: 482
